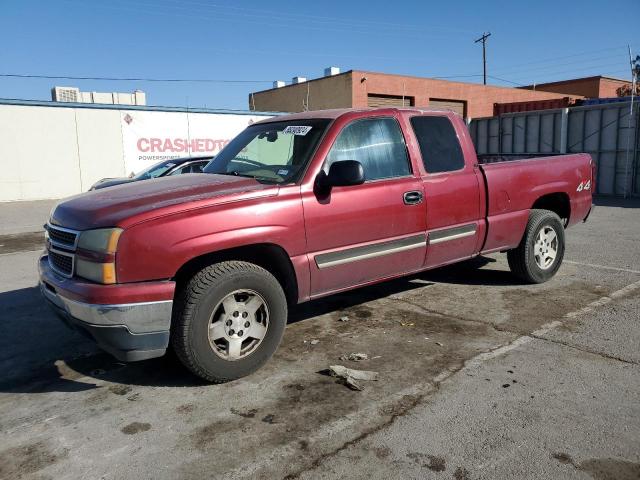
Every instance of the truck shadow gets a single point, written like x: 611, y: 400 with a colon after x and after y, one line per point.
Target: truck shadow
x: 39, y: 354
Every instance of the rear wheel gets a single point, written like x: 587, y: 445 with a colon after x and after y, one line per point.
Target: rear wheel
x: 228, y: 320
x: 540, y: 253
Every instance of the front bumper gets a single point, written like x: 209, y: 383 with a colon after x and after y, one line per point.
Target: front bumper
x: 130, y: 331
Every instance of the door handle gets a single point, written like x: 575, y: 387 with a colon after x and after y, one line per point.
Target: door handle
x: 412, y: 198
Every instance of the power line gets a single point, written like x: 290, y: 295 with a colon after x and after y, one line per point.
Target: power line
x: 587, y: 52
x: 237, y: 18
x: 505, y: 80
x: 560, y: 72
x: 298, y: 16
x: 132, y: 79
x: 510, y: 69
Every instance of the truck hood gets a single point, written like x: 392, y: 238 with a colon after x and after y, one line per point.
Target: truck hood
x: 123, y: 205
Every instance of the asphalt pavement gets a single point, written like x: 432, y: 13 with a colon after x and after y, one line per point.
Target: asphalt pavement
x: 479, y: 377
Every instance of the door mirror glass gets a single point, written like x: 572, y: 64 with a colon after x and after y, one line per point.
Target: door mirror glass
x: 342, y: 174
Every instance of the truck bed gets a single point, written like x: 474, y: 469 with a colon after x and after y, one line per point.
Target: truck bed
x: 515, y: 186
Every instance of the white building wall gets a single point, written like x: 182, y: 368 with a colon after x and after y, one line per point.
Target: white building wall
x: 51, y: 152
x: 38, y: 153
x: 99, y: 145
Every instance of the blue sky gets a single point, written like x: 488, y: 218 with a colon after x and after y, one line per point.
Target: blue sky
x: 265, y: 41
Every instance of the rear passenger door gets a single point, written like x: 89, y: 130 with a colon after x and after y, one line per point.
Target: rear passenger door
x: 451, y: 189
x: 361, y: 233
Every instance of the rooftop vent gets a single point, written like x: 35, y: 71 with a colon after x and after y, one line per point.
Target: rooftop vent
x: 295, y: 80
x: 331, y: 71
x: 278, y: 84
x: 65, y: 94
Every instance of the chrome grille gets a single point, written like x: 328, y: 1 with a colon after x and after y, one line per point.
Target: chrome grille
x: 61, y: 247
x: 61, y: 262
x: 62, y: 237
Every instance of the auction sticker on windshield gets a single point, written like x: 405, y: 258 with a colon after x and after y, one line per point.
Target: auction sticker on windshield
x: 297, y: 130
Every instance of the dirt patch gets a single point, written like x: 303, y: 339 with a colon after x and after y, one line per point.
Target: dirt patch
x: 135, y: 427
x: 21, y: 242
x: 610, y: 469
x: 563, y: 458
x: 185, y: 409
x: 206, y: 437
x: 382, y: 452
x: 530, y: 308
x: 461, y: 474
x: 432, y: 462
x: 20, y: 462
x: 246, y: 414
x: 120, y: 389
x: 603, y: 468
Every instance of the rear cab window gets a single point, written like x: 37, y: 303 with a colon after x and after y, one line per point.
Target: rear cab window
x: 439, y: 144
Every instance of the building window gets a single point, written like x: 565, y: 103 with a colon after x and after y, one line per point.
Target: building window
x: 377, y: 144
x: 375, y: 100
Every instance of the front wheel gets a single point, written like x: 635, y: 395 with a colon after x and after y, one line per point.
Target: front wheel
x: 228, y: 320
x: 540, y: 253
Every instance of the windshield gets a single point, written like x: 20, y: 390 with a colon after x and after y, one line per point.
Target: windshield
x: 156, y: 170
x: 275, y: 152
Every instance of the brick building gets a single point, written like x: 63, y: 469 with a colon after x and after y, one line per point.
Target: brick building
x: 589, y: 87
x: 356, y: 88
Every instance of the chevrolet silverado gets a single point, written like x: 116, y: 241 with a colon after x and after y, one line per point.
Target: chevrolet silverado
x: 294, y: 208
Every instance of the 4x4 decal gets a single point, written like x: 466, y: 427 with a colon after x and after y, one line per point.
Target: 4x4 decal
x: 584, y: 186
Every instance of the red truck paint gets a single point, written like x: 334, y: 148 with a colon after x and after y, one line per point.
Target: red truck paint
x: 169, y: 221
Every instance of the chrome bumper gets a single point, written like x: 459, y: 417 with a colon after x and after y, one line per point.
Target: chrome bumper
x: 143, y: 317
x: 129, y: 332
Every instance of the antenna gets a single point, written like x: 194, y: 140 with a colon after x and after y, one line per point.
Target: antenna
x: 483, y: 39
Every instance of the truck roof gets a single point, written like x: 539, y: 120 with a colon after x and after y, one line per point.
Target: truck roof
x: 338, y: 112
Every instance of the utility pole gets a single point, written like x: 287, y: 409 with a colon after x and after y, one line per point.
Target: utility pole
x: 483, y: 39
x: 635, y: 74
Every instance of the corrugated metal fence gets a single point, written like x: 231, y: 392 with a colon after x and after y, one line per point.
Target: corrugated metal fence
x: 609, y: 132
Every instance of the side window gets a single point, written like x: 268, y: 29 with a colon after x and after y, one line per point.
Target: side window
x: 197, y: 167
x: 439, y: 144
x: 181, y: 170
x: 377, y: 144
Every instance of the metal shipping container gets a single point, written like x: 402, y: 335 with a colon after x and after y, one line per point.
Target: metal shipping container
x: 531, y: 105
x: 609, y: 132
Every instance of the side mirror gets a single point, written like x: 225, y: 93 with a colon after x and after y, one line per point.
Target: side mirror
x: 341, y: 174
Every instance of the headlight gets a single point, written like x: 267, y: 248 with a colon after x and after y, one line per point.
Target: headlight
x: 95, y: 257
x: 104, y: 240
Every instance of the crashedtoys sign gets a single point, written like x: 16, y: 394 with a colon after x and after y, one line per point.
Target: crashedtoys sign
x: 152, y: 136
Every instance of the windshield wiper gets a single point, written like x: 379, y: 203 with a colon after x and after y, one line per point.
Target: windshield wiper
x: 234, y: 173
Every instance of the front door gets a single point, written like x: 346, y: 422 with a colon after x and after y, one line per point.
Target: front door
x: 358, y: 234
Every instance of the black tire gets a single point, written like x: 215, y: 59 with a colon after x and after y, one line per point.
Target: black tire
x: 192, y: 315
x: 522, y: 260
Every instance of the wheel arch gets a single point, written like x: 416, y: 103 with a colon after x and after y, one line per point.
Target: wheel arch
x: 557, y: 202
x: 269, y: 256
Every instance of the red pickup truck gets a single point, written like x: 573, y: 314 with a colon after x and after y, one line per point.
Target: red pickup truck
x: 297, y: 207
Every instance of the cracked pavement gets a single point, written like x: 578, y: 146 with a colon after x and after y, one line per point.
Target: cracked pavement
x: 480, y: 377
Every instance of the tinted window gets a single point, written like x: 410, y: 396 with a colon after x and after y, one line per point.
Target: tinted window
x: 377, y: 144
x: 197, y: 167
x: 439, y: 144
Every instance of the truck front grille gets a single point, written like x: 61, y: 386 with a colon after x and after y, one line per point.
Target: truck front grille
x: 61, y: 247
x: 62, y: 237
x: 61, y: 262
